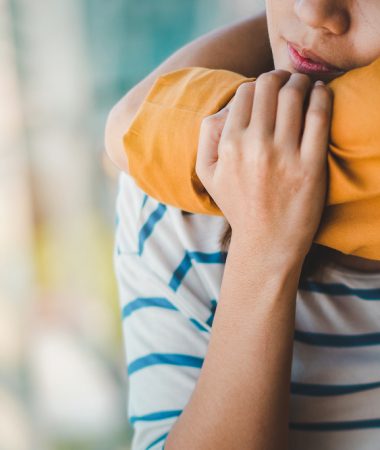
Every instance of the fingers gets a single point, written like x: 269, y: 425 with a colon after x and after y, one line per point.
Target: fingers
x: 209, y: 137
x: 240, y: 108
x: 273, y: 111
x: 290, y: 111
x: 317, y: 125
x: 265, y: 104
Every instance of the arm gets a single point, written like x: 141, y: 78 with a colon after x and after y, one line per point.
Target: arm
x: 240, y: 394
x: 247, y: 369
x: 242, y: 47
x: 241, y: 399
x: 164, y: 348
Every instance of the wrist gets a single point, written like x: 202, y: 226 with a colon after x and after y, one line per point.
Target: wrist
x: 265, y: 253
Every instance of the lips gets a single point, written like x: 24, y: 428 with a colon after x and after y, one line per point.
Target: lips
x: 306, y: 61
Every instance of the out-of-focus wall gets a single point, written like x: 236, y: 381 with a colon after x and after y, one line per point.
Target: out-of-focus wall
x: 63, y: 65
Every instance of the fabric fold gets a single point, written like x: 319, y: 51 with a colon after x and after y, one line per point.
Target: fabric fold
x: 161, y: 146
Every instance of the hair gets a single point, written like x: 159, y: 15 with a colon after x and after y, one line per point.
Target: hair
x: 312, y: 261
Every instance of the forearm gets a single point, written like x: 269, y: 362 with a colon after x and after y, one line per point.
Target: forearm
x: 241, y: 399
x: 242, y: 47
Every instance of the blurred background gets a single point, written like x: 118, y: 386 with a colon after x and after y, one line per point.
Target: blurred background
x: 64, y: 63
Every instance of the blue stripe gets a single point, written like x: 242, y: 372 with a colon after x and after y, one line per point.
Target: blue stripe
x: 186, y: 264
x: 210, y: 320
x: 180, y: 273
x: 161, y: 438
x: 337, y: 340
x: 175, y: 359
x: 159, y: 415
x: 198, y: 325
x: 145, y: 199
x: 144, y: 302
x: 335, y: 426
x: 320, y: 390
x: 149, y: 225
x: 209, y: 258
x: 339, y: 289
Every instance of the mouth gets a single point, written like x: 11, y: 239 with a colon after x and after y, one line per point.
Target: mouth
x: 305, y: 61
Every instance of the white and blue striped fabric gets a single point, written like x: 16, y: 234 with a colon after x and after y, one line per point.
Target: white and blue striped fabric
x: 169, y: 270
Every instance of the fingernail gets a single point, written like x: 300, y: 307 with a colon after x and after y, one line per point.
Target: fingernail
x: 319, y: 83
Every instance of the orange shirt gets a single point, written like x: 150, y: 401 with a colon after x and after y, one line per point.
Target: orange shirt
x: 161, y: 146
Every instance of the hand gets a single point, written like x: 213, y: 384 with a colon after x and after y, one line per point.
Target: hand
x: 263, y: 159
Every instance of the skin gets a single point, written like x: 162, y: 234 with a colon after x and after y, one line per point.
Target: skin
x: 345, y: 33
x: 267, y: 173
x: 259, y: 143
x: 242, y: 47
x: 227, y: 409
x: 339, y: 31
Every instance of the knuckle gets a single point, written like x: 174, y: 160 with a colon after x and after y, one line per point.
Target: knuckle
x: 263, y: 160
x: 292, y: 91
x: 319, y: 115
x: 268, y: 79
x: 260, y: 143
x: 244, y: 87
x: 208, y: 121
x: 202, y: 177
x: 296, y: 86
x: 228, y: 146
x: 310, y: 176
x: 198, y: 170
x: 274, y: 77
x: 323, y: 93
x: 300, y: 77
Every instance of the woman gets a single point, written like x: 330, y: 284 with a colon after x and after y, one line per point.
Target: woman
x: 190, y: 388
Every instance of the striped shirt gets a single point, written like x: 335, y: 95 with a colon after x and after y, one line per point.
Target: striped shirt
x: 169, y: 269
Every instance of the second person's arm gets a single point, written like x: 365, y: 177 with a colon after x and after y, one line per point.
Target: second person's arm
x: 242, y: 47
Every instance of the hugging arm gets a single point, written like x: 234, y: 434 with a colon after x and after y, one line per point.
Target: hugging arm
x: 184, y: 393
x: 240, y: 397
x: 242, y: 47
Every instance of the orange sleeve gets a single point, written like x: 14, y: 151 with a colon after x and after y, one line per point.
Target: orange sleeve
x: 351, y: 219
x: 161, y: 145
x: 162, y: 141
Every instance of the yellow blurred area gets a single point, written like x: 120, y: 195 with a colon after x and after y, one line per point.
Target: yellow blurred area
x: 62, y: 375
x: 63, y: 65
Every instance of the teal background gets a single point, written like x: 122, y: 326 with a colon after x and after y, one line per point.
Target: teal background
x: 64, y: 64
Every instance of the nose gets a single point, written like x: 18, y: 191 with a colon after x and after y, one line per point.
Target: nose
x: 331, y: 15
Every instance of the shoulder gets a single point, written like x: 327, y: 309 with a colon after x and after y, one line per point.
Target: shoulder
x: 118, y: 121
x: 194, y: 232
x: 181, y: 250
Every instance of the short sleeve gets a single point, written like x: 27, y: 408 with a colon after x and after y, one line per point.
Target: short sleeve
x: 166, y: 324
x: 162, y: 141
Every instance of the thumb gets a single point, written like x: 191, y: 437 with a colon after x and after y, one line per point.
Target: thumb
x: 209, y: 138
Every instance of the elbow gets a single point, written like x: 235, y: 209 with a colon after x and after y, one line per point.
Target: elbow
x: 117, y: 123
